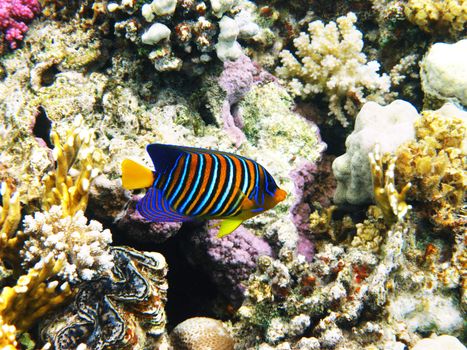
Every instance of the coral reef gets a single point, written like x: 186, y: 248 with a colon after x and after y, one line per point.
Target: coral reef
x: 443, y: 74
x: 77, y: 151
x: 435, y: 164
x: 388, y: 126
x: 438, y: 16
x: 84, y: 245
x: 35, y: 294
x: 90, y: 87
x: 329, y: 60
x: 118, y: 311
x: 10, y: 217
x: 182, y: 36
x: 229, y: 261
x: 201, y: 333
x: 14, y: 14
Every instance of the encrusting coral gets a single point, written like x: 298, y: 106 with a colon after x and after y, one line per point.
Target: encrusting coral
x: 438, y: 16
x: 329, y: 60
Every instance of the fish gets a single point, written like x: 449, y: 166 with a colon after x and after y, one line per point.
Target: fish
x: 197, y: 184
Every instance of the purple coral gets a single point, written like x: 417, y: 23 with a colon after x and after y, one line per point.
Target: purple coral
x: 236, y: 80
x: 309, y: 194
x: 13, y: 15
x: 229, y: 260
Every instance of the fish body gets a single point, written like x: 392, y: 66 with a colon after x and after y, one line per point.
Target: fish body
x: 191, y: 184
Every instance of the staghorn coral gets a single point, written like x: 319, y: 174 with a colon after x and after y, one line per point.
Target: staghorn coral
x: 76, y: 152
x: 13, y: 15
x: 85, y: 245
x: 35, y: 294
x: 438, y: 16
x: 329, y: 60
x: 435, y: 164
x: 122, y: 311
x: 201, y: 333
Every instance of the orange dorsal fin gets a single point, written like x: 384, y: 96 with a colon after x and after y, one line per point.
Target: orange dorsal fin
x: 135, y: 175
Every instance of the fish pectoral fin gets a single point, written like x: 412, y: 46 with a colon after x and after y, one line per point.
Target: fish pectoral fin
x: 228, y: 226
x: 135, y: 175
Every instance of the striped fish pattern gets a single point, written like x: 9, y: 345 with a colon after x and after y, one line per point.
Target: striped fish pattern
x: 198, y: 184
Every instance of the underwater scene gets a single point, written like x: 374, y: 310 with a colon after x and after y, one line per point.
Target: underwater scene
x: 233, y: 175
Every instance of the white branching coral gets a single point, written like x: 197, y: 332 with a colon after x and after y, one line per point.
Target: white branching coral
x: 85, y: 245
x: 329, y: 60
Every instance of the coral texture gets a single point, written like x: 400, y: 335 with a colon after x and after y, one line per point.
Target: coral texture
x: 14, y: 14
x: 438, y: 16
x: 436, y: 164
x: 85, y: 245
x: 329, y: 60
x: 388, y: 126
x: 228, y: 261
x: 201, y: 333
x: 444, y: 73
x: 184, y: 35
x: 116, y: 311
x: 35, y: 294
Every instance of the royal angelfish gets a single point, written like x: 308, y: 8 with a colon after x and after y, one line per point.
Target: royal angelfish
x: 191, y: 184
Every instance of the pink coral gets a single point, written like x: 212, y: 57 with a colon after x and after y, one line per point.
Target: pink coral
x: 13, y: 15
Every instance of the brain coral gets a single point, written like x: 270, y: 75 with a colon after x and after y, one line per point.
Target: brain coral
x: 201, y: 333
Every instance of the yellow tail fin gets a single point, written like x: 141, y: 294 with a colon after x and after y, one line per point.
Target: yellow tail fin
x: 135, y: 175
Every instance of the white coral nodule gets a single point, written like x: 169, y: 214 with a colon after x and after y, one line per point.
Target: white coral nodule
x: 85, y: 245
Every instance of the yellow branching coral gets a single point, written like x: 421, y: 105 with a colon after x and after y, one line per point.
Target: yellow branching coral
x: 436, y: 16
x: 34, y: 294
x: 10, y: 217
x: 7, y: 336
x: 61, y: 187
x: 391, y: 202
x: 436, y: 164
